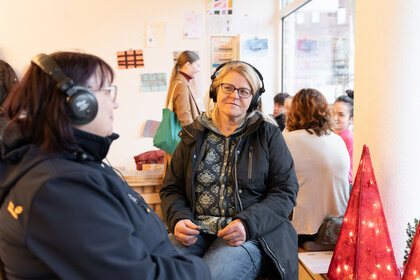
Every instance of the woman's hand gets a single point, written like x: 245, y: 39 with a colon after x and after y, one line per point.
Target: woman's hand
x: 185, y: 232
x: 234, y: 234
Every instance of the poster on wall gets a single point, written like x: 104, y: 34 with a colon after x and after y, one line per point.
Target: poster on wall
x: 223, y: 49
x: 130, y: 59
x: 153, y: 82
x: 193, y: 25
x: 256, y: 47
x: 216, y: 24
x: 155, y: 34
x: 219, y: 7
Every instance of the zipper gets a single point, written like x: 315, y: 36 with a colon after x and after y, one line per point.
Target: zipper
x: 140, y: 202
x: 194, y: 167
x: 282, y: 270
x: 235, y: 171
x: 250, y: 164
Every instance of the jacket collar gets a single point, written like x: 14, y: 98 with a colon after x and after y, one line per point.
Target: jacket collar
x: 91, y: 146
x: 192, y: 132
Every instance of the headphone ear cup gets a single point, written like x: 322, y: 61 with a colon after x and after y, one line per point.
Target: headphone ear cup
x: 213, y: 93
x: 83, y: 106
x: 256, y: 100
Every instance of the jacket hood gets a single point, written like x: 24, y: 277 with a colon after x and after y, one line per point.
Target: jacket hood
x: 18, y: 155
x: 250, y: 124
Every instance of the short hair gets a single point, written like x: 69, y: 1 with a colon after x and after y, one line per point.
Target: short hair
x: 347, y: 99
x: 310, y: 111
x: 280, y: 98
x: 39, y: 108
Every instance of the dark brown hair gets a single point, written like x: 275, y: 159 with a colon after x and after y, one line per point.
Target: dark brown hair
x: 310, y: 111
x: 39, y: 108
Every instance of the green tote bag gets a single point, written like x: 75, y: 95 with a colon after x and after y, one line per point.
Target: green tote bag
x: 166, y: 137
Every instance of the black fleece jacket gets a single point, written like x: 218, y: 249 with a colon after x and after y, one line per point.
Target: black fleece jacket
x: 70, y: 216
x: 265, y: 187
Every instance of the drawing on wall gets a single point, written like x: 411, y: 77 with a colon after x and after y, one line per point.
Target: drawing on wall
x: 130, y: 59
x: 216, y: 24
x: 256, y: 47
x: 153, y: 82
x: 155, y: 34
x: 193, y: 25
x: 219, y: 7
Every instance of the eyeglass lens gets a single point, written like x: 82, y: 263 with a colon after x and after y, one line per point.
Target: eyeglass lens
x: 229, y: 89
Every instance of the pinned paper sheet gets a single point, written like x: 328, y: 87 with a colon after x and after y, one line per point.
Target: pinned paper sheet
x: 316, y: 262
x: 219, y: 7
x: 130, y: 59
x: 155, y: 34
x: 153, y: 82
x: 193, y: 26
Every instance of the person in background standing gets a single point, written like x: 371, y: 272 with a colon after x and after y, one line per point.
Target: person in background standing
x: 278, y: 112
x: 343, y: 119
x: 184, y: 104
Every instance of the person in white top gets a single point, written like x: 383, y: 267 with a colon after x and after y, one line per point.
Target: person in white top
x: 321, y: 161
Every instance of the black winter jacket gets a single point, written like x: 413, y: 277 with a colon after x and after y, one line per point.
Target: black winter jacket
x: 70, y: 216
x: 265, y: 187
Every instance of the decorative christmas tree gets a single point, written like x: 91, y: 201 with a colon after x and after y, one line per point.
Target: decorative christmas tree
x: 412, y: 268
x: 363, y: 249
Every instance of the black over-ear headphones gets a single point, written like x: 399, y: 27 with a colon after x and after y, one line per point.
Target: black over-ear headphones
x: 256, y: 98
x: 81, y: 101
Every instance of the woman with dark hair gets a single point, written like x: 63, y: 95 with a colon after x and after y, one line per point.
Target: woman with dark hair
x: 231, y: 185
x: 64, y: 214
x: 343, y: 118
x: 183, y: 101
x: 321, y: 162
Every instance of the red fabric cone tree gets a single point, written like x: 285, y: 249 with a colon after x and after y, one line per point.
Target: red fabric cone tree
x: 363, y: 249
x: 412, y: 268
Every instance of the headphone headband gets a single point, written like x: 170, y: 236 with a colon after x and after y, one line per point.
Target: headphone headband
x: 80, y: 100
x: 256, y: 99
x: 262, y: 89
x: 49, y: 66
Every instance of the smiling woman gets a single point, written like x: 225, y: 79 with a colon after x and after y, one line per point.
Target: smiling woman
x: 59, y: 203
x: 216, y: 198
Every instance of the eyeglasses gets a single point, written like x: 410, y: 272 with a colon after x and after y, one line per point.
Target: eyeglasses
x: 111, y: 91
x: 229, y: 89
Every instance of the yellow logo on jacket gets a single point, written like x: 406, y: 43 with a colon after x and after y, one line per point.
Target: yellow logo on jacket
x: 14, y: 211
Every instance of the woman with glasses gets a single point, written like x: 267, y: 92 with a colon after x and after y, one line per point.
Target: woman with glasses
x: 231, y: 185
x: 64, y: 214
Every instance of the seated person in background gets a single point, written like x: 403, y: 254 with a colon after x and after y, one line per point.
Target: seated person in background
x: 64, y: 213
x: 287, y: 104
x: 321, y: 162
x: 343, y: 118
x: 278, y: 112
x: 231, y: 184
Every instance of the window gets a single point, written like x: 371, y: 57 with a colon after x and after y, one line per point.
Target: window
x: 318, y: 48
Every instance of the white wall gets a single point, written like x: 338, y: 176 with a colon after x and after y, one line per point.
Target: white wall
x: 105, y: 27
x: 386, y: 106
